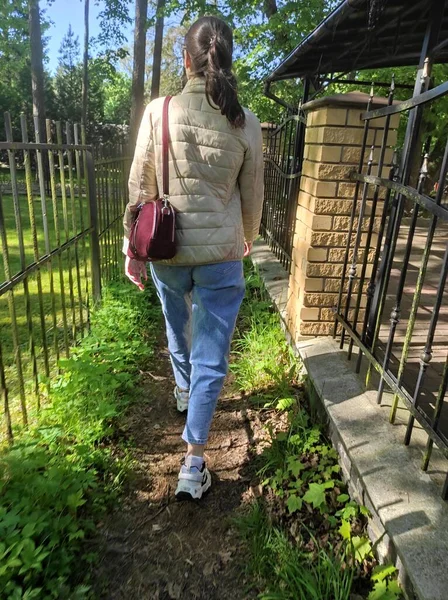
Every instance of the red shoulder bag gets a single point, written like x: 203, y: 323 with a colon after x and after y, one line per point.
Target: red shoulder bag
x: 153, y: 231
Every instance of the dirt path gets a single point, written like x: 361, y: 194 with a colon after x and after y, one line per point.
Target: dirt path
x: 157, y: 548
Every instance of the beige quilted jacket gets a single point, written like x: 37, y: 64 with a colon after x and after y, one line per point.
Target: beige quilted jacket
x: 215, y: 176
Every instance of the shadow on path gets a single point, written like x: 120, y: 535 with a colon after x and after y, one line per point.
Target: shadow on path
x: 156, y: 548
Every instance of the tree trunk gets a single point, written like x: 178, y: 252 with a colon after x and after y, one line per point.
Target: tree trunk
x: 37, y: 69
x: 157, y: 56
x: 270, y: 7
x: 85, y: 68
x: 138, y: 73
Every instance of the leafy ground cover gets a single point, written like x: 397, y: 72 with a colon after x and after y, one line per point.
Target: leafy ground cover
x: 60, y: 476
x: 306, y: 537
x: 64, y: 320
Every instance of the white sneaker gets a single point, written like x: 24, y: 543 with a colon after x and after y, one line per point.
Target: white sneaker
x: 181, y: 399
x: 193, y: 482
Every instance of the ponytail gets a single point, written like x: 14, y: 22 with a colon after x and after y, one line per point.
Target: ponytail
x: 209, y: 42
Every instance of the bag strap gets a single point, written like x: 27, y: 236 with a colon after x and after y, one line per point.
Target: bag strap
x: 165, y: 147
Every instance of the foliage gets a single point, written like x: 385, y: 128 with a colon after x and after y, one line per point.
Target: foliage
x: 265, y: 361
x: 264, y: 34
x: 384, y: 588
x: 60, y: 474
x: 67, y: 81
x: 109, y: 97
x: 306, y: 536
x: 117, y: 98
x: 15, y: 67
x: 172, y: 61
x: 63, y: 90
x: 112, y: 18
x: 288, y: 570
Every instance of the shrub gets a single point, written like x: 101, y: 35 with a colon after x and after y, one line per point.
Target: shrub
x: 61, y: 473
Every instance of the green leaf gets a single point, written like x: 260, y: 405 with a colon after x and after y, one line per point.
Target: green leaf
x: 285, y: 403
x: 394, y: 587
x: 381, y: 591
x: 295, y: 466
x: 296, y: 485
x: 380, y: 572
x: 76, y: 535
x: 342, y: 498
x: 75, y: 500
x: 348, y: 512
x: 294, y: 503
x: 362, y: 547
x: 14, y: 562
x: 345, y: 530
x: 332, y: 520
x: 28, y: 530
x: 364, y: 511
x: 315, y: 495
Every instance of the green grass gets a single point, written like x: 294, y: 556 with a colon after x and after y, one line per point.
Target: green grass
x: 306, y: 537
x: 12, y: 234
x: 264, y: 365
x: 59, y: 329
x: 62, y: 473
x: 284, y: 570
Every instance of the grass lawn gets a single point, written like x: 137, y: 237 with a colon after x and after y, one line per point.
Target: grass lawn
x: 65, y: 311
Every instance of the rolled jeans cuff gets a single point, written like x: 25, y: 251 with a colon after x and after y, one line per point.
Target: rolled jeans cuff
x: 190, y: 440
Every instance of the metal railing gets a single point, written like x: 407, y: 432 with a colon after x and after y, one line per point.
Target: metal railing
x: 397, y: 265
x: 112, y: 167
x: 60, y: 223
x: 283, y: 158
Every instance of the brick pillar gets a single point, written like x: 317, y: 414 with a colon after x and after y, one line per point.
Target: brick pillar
x: 332, y: 151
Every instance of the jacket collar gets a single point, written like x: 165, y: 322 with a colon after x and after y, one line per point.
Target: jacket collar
x: 195, y: 85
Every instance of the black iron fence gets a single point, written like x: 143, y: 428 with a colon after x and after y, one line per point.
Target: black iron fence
x: 283, y: 157
x: 392, y: 303
x: 60, y: 213
x: 112, y: 167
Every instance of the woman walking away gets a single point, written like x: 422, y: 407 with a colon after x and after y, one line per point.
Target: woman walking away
x: 216, y: 187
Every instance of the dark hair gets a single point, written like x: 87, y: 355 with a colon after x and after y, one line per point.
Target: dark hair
x: 209, y: 42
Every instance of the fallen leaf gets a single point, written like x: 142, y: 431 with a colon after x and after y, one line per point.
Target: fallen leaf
x: 208, y: 569
x: 256, y: 490
x: 225, y: 557
x: 174, y: 590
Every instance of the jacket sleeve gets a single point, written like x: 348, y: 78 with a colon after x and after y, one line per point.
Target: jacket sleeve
x: 142, y: 177
x: 251, y: 181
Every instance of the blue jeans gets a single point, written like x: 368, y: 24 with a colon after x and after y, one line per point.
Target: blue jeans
x: 200, y: 305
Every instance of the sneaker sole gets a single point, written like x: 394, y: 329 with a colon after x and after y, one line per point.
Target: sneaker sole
x: 181, y: 410
x: 187, y: 497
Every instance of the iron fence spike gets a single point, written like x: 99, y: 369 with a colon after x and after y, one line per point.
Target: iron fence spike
x: 392, y: 83
x: 424, y: 170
